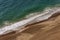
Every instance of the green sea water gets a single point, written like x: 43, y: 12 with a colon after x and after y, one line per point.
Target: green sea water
x: 14, y: 10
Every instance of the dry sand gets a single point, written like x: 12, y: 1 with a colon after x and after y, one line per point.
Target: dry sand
x: 46, y: 30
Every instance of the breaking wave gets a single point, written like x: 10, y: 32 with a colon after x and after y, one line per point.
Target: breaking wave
x: 15, y: 13
x: 32, y: 18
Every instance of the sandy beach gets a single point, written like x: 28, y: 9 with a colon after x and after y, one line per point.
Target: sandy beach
x: 46, y: 30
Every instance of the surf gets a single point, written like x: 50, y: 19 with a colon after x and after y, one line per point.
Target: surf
x: 47, y: 13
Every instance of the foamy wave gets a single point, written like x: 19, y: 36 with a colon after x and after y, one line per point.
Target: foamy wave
x: 48, y: 12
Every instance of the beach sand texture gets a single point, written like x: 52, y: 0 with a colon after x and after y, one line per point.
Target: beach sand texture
x: 46, y: 30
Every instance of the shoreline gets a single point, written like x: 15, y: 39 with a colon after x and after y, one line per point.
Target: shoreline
x: 21, y: 24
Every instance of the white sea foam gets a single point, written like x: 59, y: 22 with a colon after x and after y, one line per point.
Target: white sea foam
x: 21, y: 24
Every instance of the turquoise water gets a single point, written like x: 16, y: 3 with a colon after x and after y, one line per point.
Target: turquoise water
x: 14, y: 10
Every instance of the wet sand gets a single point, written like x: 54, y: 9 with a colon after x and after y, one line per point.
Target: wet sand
x: 46, y: 30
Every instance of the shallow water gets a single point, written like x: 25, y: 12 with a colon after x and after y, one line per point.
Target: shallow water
x: 14, y: 10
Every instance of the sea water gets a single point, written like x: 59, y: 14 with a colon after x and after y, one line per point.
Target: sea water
x: 14, y: 10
